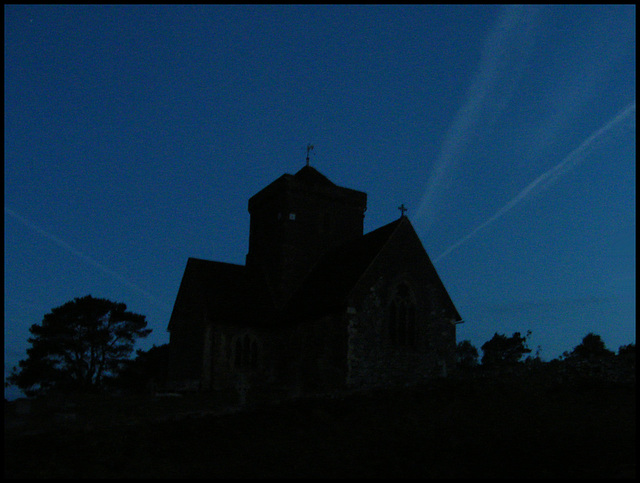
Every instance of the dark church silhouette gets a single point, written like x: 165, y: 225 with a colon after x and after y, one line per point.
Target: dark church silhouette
x: 318, y: 307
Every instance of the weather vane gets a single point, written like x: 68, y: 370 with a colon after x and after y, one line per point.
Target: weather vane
x: 309, y: 148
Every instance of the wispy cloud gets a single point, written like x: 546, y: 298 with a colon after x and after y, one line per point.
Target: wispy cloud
x: 622, y: 120
x: 500, y: 67
x: 77, y: 253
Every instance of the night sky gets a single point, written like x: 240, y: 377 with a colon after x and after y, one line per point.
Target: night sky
x: 135, y: 135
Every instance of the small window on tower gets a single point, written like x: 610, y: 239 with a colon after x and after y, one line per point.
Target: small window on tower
x: 292, y: 216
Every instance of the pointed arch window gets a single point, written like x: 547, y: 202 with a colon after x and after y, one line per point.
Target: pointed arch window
x: 402, y: 318
x: 246, y: 357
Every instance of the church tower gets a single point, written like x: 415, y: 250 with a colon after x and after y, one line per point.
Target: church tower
x: 295, y: 220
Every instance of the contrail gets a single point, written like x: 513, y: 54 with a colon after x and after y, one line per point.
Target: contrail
x: 510, y: 34
x: 548, y: 178
x: 62, y: 244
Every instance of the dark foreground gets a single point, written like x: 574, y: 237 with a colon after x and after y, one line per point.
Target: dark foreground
x: 473, y: 428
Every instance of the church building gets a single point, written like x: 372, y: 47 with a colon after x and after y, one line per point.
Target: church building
x: 318, y: 307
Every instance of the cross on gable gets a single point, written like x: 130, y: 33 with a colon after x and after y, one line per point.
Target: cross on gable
x: 402, y: 209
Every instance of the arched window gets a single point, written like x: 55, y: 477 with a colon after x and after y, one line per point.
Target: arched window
x: 246, y: 350
x: 246, y: 353
x: 402, y: 318
x: 238, y: 357
x: 254, y: 355
x: 393, y: 322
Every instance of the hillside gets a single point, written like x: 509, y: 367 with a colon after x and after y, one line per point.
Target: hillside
x: 450, y: 428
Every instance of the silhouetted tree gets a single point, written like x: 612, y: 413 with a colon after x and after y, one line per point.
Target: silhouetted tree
x: 466, y: 355
x: 78, y: 346
x: 629, y: 349
x: 591, y: 348
x: 627, y: 356
x: 502, y: 350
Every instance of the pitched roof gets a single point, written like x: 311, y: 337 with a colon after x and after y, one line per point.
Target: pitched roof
x: 309, y: 180
x: 223, y: 292
x: 327, y: 288
x: 232, y: 294
x: 328, y: 285
x: 311, y: 176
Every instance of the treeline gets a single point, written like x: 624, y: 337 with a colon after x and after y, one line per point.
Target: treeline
x: 501, y: 354
x: 589, y: 359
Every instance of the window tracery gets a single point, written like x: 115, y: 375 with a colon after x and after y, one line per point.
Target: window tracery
x: 246, y: 352
x: 402, y: 318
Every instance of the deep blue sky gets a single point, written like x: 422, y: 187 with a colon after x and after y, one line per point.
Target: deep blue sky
x: 135, y: 135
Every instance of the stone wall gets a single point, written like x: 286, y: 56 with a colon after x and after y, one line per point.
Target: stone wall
x: 373, y: 360
x: 373, y: 357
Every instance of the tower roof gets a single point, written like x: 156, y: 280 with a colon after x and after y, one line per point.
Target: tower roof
x: 308, y: 179
x: 312, y: 176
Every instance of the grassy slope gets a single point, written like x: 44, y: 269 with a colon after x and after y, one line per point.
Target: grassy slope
x: 450, y: 429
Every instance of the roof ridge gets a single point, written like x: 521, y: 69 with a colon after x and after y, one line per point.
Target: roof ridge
x: 311, y: 174
x: 395, y: 224
x: 199, y: 260
x: 355, y: 255
x: 388, y: 225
